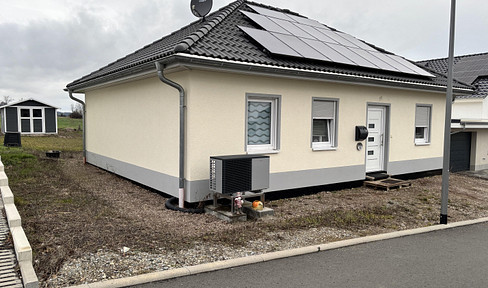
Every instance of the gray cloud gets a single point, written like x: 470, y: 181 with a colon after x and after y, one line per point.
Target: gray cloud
x: 39, y: 57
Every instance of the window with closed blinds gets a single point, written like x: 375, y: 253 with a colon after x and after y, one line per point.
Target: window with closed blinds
x: 323, y: 109
x: 422, y: 116
x: 422, y: 124
x: 323, y: 124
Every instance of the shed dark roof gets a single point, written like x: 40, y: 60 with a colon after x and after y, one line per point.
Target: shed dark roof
x: 28, y: 102
x: 219, y: 38
x: 470, y: 69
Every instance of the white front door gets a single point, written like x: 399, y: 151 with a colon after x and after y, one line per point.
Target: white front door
x: 375, y: 144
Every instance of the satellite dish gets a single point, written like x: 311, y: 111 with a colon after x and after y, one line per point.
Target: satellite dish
x: 200, y: 8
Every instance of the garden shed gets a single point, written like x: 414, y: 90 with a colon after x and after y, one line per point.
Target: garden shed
x: 29, y: 117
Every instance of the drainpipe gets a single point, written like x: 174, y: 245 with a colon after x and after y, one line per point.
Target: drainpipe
x: 181, y: 190
x: 84, y: 128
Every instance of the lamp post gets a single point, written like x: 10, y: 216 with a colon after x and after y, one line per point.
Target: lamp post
x: 447, y: 127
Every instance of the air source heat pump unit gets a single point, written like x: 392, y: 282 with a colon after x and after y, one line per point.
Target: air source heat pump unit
x: 239, y: 173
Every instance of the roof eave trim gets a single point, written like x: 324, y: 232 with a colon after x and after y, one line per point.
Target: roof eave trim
x: 184, y: 58
x: 339, y: 77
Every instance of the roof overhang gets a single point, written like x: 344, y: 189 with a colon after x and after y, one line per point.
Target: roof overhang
x: 469, y: 124
x: 181, y: 60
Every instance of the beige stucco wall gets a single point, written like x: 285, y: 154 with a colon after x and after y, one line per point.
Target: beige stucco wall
x: 216, y: 120
x: 136, y: 123
x: 469, y: 109
x: 479, y: 149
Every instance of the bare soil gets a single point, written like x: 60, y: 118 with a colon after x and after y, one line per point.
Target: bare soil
x: 69, y: 209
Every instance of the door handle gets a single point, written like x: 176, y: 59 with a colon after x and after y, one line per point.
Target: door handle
x: 381, y: 139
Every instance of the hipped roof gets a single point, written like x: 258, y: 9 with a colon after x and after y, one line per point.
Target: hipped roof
x: 217, y: 40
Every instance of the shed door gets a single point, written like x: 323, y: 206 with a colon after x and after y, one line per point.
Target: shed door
x: 460, y: 152
x: 375, y: 148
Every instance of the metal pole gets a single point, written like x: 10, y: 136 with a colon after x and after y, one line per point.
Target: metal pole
x: 447, y: 127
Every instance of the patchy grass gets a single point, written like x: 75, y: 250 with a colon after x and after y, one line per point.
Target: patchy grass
x: 69, y: 123
x: 64, y: 142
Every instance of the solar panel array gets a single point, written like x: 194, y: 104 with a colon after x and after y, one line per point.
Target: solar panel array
x: 291, y: 35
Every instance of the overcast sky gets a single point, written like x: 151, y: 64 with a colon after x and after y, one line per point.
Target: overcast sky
x: 45, y: 44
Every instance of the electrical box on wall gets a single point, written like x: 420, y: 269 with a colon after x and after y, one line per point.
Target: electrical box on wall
x: 239, y: 173
x: 361, y: 133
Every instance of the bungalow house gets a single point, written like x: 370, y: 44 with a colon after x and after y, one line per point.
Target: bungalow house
x: 469, y: 124
x: 29, y: 117
x: 254, y: 79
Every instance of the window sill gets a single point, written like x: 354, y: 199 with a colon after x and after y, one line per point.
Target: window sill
x: 422, y: 144
x: 252, y: 152
x: 324, y: 148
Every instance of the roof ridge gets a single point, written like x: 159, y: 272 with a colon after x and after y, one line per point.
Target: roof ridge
x: 191, y: 39
x: 455, y: 57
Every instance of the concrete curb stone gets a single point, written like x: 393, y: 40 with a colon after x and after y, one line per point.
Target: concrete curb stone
x: 219, y: 265
x: 22, y: 248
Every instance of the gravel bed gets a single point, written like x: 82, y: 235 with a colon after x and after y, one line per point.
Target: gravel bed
x: 104, y: 265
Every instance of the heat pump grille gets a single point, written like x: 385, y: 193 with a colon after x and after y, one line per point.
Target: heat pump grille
x: 213, y: 175
x: 236, y: 175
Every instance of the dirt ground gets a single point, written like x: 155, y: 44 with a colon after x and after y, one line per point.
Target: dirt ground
x: 69, y: 209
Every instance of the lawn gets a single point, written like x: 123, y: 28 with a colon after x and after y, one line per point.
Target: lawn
x: 69, y: 123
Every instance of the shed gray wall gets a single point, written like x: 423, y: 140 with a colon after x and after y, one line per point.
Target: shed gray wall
x: 11, y: 119
x: 50, y: 119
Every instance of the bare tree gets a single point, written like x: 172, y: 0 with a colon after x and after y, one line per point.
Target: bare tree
x: 6, y: 100
x: 76, y: 111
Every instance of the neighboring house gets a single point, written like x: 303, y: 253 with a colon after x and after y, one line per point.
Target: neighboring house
x: 469, y: 141
x: 261, y: 80
x: 29, y: 117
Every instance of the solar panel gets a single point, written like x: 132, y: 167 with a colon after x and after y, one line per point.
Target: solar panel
x: 391, y: 62
x: 375, y: 60
x: 353, y: 56
x: 291, y: 28
x: 265, y: 22
x: 356, y: 42
x: 316, y: 35
x: 306, y: 21
x: 270, y: 42
x: 297, y: 36
x: 301, y: 47
x: 411, y: 66
x: 272, y: 13
x: 328, y: 52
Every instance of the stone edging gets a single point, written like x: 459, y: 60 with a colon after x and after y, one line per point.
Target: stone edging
x: 23, y: 250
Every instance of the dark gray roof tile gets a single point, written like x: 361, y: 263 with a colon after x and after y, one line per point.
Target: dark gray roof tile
x: 470, y: 69
x: 219, y: 37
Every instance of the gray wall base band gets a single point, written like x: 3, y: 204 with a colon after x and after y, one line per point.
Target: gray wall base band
x: 198, y: 190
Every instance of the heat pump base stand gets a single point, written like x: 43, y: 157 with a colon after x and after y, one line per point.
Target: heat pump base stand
x: 231, y: 197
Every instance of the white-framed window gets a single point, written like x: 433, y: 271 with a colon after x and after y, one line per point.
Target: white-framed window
x: 422, y: 124
x: 324, y: 123
x: 262, y: 123
x: 31, y: 120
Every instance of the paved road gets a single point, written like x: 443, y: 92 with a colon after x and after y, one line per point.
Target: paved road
x: 455, y: 257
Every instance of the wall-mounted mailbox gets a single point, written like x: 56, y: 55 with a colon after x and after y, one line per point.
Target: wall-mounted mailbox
x: 361, y: 133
